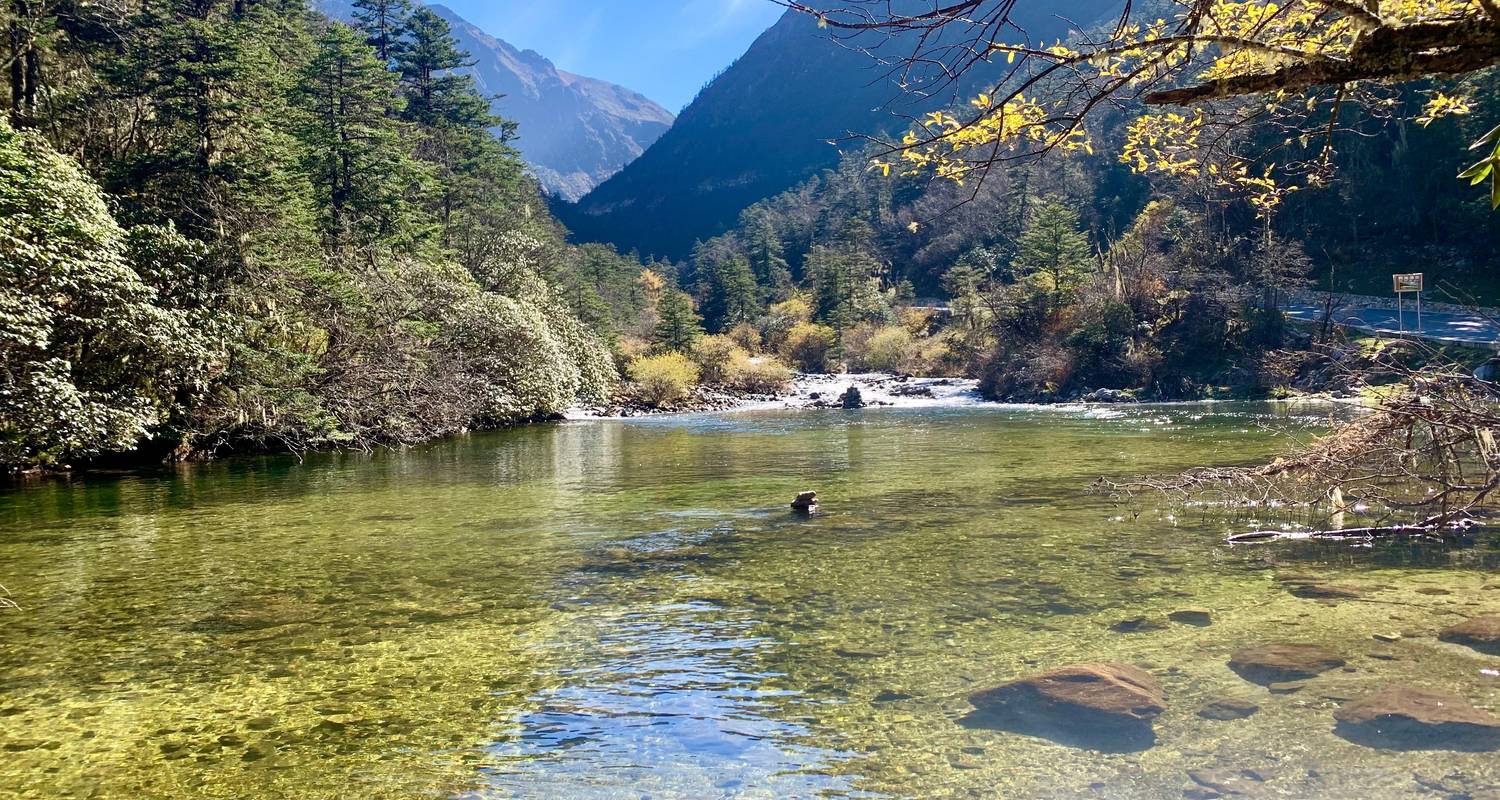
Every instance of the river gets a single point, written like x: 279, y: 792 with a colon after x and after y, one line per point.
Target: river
x: 628, y: 609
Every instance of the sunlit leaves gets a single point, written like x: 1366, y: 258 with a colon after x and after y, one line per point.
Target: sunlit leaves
x: 1245, y: 44
x: 1442, y: 105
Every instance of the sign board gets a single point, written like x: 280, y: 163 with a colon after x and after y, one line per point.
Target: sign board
x: 1408, y: 282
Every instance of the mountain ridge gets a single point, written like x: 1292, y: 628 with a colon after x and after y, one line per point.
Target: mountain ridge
x: 777, y: 116
x: 575, y: 131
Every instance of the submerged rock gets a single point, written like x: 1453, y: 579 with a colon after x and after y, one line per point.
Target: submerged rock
x: 1222, y: 782
x: 1104, y: 706
x: 1200, y: 617
x: 1316, y: 589
x: 1404, y: 718
x: 806, y: 502
x: 1480, y: 633
x: 1224, y: 709
x: 1136, y: 625
x: 1282, y: 662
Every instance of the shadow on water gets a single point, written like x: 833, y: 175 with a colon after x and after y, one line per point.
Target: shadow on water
x: 1132, y: 737
x: 1408, y: 736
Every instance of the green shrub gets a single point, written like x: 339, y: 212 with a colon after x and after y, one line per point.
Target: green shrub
x: 891, y: 350
x: 663, y: 379
x: 746, y: 336
x: 781, y: 318
x: 763, y: 375
x: 714, y: 355
x: 92, y: 357
x: 808, y: 346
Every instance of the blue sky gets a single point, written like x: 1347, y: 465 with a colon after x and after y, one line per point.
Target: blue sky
x: 664, y: 49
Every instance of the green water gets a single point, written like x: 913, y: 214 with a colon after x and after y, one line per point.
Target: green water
x: 623, y: 609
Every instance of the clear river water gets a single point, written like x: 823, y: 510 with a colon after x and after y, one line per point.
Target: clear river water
x: 628, y: 609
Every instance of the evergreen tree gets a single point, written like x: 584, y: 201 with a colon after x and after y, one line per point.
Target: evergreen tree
x: 457, y: 133
x: 211, y: 154
x: 768, y: 261
x: 382, y: 22
x: 726, y: 284
x: 437, y: 96
x: 678, y: 326
x: 353, y: 151
x: 1052, y: 252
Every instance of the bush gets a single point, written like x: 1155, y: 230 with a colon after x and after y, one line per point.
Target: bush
x: 714, y: 355
x: 92, y: 357
x: 808, y: 346
x: 918, y: 321
x: 889, y: 349
x: 663, y: 379
x: 627, y: 350
x: 746, y: 336
x: 781, y: 318
x: 763, y: 375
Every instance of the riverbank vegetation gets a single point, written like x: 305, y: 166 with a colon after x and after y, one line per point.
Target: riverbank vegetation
x: 244, y: 226
x: 241, y: 225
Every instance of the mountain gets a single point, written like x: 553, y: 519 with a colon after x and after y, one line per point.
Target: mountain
x: 777, y: 116
x: 574, y: 131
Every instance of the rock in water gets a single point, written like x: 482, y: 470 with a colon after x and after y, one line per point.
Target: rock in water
x: 1200, y: 617
x: 851, y: 398
x: 1109, y: 396
x: 1480, y: 633
x: 1404, y: 718
x: 1227, y: 708
x: 1280, y: 662
x: 806, y: 502
x: 1103, y: 706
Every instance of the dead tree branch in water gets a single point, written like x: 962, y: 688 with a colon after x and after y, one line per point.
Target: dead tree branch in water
x: 1422, y: 464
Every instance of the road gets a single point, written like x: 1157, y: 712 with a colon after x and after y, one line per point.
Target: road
x: 1436, y: 325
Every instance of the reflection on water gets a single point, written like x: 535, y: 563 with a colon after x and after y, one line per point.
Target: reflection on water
x: 627, y: 609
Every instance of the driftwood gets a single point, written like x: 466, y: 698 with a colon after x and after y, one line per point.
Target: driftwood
x: 1421, y: 464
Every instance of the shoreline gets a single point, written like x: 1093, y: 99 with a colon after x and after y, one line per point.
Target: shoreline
x: 808, y: 392
x: 813, y: 391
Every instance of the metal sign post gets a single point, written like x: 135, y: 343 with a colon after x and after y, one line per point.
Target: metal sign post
x: 1408, y: 282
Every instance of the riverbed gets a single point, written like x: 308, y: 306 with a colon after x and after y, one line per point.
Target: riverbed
x: 629, y: 609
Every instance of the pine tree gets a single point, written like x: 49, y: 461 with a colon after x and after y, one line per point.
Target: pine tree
x: 437, y: 95
x: 212, y: 155
x: 727, y: 286
x: 382, y: 22
x: 679, y: 326
x: 1052, y: 252
x: 353, y: 151
x: 457, y: 133
x: 768, y: 261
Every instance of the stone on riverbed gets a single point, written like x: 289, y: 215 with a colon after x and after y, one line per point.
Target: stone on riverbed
x: 1281, y: 662
x: 1480, y: 633
x: 1227, y: 708
x: 1201, y: 617
x: 1136, y: 625
x: 1318, y: 589
x: 1103, y: 706
x: 1403, y: 718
